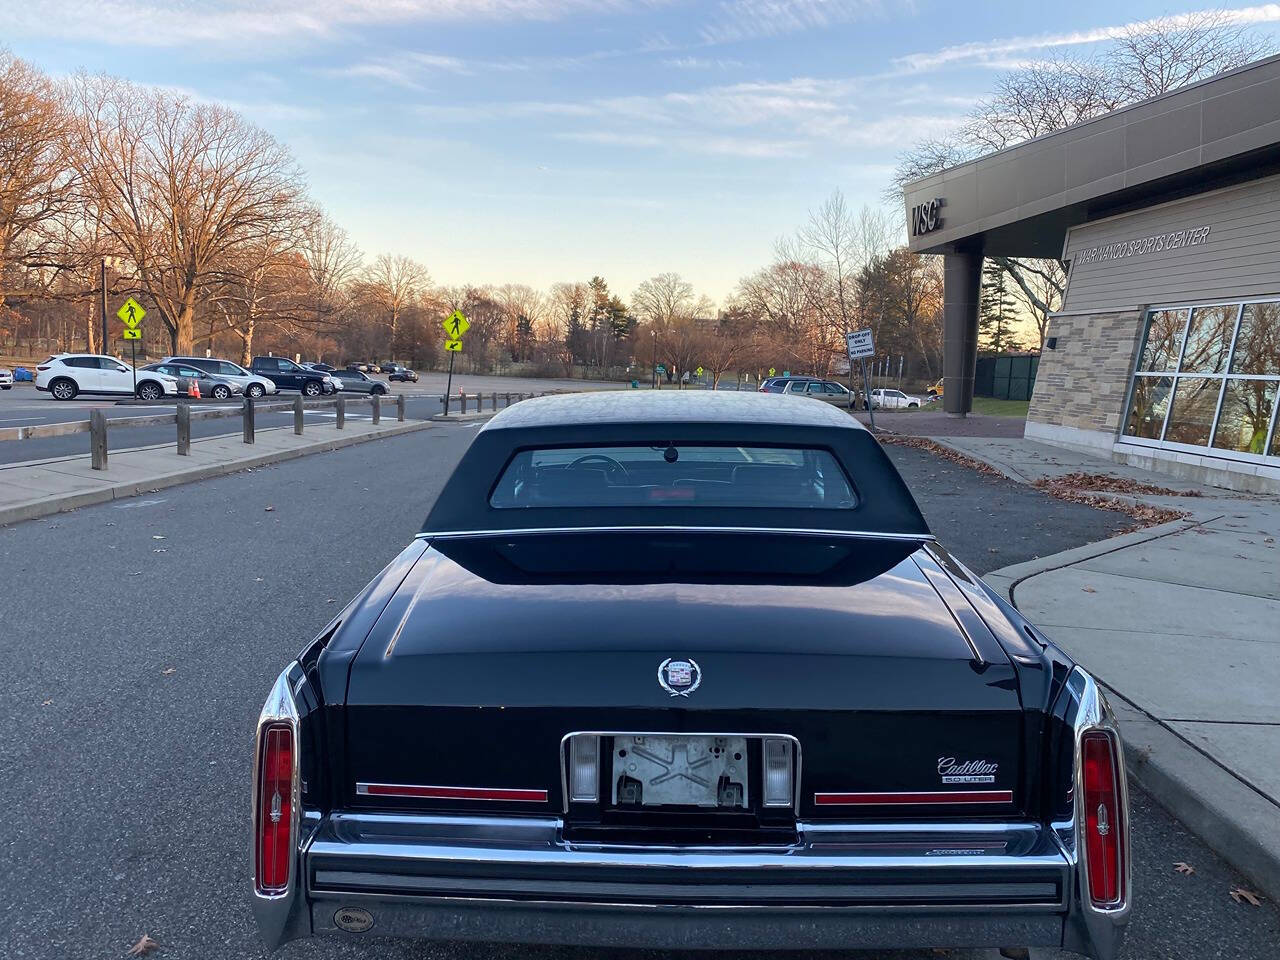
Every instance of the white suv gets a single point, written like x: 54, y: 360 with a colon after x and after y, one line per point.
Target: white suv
x: 6, y: 378
x: 68, y: 374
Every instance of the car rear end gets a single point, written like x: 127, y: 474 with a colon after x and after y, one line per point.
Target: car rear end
x: 6, y: 378
x: 727, y: 794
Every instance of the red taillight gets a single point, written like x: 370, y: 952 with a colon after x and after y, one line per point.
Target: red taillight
x: 42, y: 368
x: 1104, y: 823
x: 274, y: 847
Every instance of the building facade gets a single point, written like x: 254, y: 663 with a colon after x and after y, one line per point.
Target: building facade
x: 1166, y: 350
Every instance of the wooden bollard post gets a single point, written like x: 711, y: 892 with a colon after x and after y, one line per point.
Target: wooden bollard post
x: 400, y: 408
x: 494, y: 405
x: 340, y: 412
x: 184, y: 430
x: 463, y: 398
x: 247, y: 419
x: 98, y: 439
x: 376, y: 403
x: 297, y: 415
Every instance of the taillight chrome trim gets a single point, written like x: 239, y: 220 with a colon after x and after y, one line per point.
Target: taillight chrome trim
x: 280, y: 710
x: 1092, y: 716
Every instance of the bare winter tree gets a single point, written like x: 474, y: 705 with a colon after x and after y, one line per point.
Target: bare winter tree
x: 37, y: 177
x: 393, y: 283
x: 181, y: 188
x: 1147, y: 59
x: 1160, y: 55
x: 332, y: 260
x: 662, y: 299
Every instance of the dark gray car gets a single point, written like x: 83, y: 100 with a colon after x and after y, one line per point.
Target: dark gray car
x: 353, y: 381
x: 211, y: 387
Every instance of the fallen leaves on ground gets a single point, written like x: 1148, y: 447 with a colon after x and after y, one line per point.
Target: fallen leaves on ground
x: 1080, y: 480
x: 168, y: 671
x: 1241, y: 895
x: 268, y: 509
x: 1147, y: 516
x: 156, y: 536
x: 1088, y: 590
x: 46, y: 703
x: 1185, y: 869
x: 143, y: 946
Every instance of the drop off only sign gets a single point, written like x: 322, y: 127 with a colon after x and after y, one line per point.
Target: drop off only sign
x: 859, y: 344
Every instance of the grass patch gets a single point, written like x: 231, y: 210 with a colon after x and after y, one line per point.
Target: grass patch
x: 991, y: 407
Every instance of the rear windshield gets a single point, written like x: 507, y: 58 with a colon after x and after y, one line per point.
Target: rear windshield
x: 681, y: 475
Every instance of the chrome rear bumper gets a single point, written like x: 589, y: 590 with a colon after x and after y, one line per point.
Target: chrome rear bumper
x: 841, y: 886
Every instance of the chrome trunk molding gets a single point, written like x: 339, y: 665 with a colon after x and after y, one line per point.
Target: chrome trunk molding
x: 675, y: 528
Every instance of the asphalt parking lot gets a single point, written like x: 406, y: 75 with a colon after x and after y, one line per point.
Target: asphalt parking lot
x: 140, y: 638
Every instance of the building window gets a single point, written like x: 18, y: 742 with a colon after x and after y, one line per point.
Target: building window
x: 1208, y: 376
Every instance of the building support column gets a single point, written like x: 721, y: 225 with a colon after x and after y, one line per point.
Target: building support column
x: 962, y: 278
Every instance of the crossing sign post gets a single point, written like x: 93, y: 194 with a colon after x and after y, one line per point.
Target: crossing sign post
x: 131, y: 315
x: 455, y: 325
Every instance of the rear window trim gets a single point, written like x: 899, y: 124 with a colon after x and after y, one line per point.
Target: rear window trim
x: 858, y: 500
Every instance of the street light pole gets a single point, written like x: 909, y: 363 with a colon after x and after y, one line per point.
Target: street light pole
x: 655, y: 359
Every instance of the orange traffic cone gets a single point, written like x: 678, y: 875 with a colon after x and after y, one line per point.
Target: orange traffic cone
x: 193, y: 389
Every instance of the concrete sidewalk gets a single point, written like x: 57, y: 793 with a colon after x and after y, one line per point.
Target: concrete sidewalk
x: 35, y: 490
x: 1182, y: 623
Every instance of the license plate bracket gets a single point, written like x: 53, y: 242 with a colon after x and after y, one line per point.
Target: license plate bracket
x: 680, y: 771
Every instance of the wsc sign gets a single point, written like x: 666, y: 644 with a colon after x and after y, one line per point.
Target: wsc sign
x: 927, y: 217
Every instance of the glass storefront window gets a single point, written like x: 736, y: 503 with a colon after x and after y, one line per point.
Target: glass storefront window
x: 1195, y: 400
x: 1246, y: 415
x: 1209, y: 376
x: 1163, y: 341
x: 1258, y: 343
x: 1209, y: 339
x: 1149, y: 406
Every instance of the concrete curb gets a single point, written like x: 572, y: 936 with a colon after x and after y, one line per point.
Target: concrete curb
x: 1229, y: 815
x: 462, y: 417
x: 60, y: 503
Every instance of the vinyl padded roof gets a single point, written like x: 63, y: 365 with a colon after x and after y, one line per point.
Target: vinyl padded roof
x: 671, y: 407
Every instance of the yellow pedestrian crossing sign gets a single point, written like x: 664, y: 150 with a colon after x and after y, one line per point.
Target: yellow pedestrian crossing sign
x: 453, y: 346
x: 455, y: 325
x: 131, y: 315
x: 132, y: 334
x: 698, y: 372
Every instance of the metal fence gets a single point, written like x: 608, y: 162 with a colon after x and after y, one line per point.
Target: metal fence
x: 1006, y: 378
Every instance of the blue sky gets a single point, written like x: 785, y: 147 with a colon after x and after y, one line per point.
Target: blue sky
x: 542, y: 140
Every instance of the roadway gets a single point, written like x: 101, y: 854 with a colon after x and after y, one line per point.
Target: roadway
x: 140, y: 637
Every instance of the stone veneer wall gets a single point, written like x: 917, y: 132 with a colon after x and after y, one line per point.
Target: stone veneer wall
x: 1082, y: 384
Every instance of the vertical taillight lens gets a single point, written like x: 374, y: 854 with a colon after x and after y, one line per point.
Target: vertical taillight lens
x: 584, y: 768
x: 778, y: 784
x: 275, y: 808
x: 1104, y: 823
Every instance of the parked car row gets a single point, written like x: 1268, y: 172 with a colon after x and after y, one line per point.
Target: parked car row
x: 837, y: 393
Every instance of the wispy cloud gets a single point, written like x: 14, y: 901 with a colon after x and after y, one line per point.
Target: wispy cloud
x: 803, y: 116
x: 1002, y: 52
x: 156, y: 23
x: 411, y: 70
x: 738, y: 20
x: 703, y: 63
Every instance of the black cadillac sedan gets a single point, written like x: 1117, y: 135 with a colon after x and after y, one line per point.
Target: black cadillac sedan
x: 687, y: 670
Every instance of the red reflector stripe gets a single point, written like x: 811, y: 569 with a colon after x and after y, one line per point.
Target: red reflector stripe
x: 919, y: 798
x: 450, y: 793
